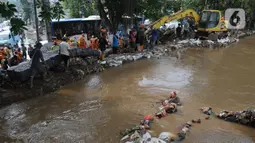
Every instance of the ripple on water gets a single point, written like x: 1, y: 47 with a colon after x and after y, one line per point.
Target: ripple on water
x: 175, y: 79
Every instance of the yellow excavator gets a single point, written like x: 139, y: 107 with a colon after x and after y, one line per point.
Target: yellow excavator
x: 210, y: 21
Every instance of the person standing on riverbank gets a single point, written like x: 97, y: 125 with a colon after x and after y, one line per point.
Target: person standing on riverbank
x: 115, y: 44
x: 37, y: 66
x: 132, y: 39
x: 93, y: 42
x: 154, y: 38
x: 102, y: 45
x: 82, y: 42
x: 63, y: 52
x: 179, y: 31
x: 30, y: 49
x: 141, y: 37
x: 24, y: 51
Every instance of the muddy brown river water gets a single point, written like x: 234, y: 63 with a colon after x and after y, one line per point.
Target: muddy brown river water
x: 96, y: 109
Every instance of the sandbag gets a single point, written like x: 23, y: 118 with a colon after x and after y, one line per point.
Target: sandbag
x: 22, y: 71
x: 156, y: 140
x: 167, y: 136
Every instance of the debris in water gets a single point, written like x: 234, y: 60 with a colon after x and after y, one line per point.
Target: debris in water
x: 244, y: 117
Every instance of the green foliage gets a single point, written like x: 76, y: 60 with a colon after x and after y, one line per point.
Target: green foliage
x: 17, y: 26
x: 7, y: 10
x: 27, y: 9
x: 58, y: 11
x: 80, y: 7
x: 48, y: 12
x: 111, y: 12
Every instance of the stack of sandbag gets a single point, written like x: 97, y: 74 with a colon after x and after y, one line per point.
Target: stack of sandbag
x: 189, y: 43
x: 22, y: 72
x: 141, y: 136
x: 119, y: 59
x: 81, y: 52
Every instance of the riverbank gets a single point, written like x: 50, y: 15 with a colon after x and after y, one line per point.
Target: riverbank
x: 14, y: 92
x: 56, y: 78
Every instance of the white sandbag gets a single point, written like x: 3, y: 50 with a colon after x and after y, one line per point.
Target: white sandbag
x: 146, y: 136
x: 166, y: 136
x: 155, y: 140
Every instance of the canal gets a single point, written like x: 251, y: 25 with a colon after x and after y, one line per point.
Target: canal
x: 96, y: 109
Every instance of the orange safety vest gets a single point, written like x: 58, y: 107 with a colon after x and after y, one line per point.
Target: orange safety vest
x: 82, y: 42
x: 97, y: 44
x: 1, y: 56
x: 120, y: 43
x: 19, y: 56
x: 93, y: 43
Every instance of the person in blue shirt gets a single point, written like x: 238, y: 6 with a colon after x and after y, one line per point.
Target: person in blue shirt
x: 154, y: 38
x: 115, y: 44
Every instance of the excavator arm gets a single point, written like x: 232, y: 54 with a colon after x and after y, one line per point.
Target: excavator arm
x: 176, y: 16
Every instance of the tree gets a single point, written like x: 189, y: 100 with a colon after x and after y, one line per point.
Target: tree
x: 111, y: 12
x: 8, y: 10
x: 156, y: 9
x: 49, y: 12
x: 27, y: 10
x: 58, y: 11
x: 79, y: 8
x: 17, y: 26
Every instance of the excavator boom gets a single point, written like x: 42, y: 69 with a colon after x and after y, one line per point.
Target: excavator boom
x: 176, y: 16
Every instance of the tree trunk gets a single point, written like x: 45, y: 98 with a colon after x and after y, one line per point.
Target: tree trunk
x: 103, y: 14
x: 47, y: 25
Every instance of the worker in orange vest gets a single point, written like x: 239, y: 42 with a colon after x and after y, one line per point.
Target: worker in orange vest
x: 97, y: 44
x: 19, y: 54
x: 1, y: 54
x: 93, y: 42
x: 120, y: 42
x: 82, y: 42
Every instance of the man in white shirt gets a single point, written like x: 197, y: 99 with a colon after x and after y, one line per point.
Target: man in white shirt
x: 63, y: 51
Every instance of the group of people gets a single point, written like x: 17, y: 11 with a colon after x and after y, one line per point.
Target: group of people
x: 168, y: 106
x: 12, y: 56
x: 185, y: 27
x: 138, y: 39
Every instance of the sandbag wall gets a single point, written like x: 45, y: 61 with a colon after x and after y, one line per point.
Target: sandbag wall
x: 22, y: 71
